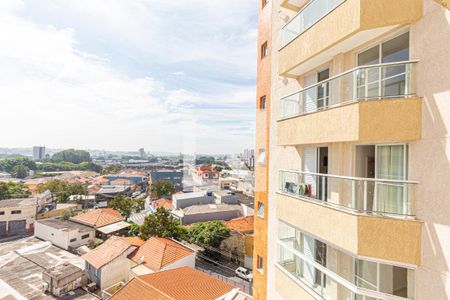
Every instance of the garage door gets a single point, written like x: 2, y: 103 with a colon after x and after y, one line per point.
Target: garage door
x: 2, y: 228
x: 17, y: 227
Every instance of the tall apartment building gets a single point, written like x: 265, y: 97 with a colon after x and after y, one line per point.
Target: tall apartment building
x: 353, y: 102
x: 38, y: 153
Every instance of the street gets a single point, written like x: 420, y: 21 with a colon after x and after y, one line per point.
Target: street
x: 223, y: 271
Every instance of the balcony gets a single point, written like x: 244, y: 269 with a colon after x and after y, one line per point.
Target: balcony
x: 330, y: 273
x: 330, y: 27
x: 365, y: 216
x: 294, y: 5
x: 368, y: 103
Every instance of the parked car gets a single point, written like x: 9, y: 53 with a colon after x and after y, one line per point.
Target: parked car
x: 244, y: 273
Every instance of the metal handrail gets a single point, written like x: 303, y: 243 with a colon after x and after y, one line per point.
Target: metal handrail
x: 351, y: 177
x: 351, y: 71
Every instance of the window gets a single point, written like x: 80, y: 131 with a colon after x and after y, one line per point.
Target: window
x: 264, y: 3
x: 2, y: 213
x: 262, y: 157
x: 260, y: 264
x: 262, y: 103
x: 16, y: 212
x: 264, y: 50
x: 73, y: 240
x: 260, y: 210
x: 84, y: 236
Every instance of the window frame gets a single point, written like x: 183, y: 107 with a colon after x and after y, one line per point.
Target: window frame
x: 260, y: 264
x: 261, y: 204
x: 262, y: 102
x: 264, y: 51
x: 16, y: 212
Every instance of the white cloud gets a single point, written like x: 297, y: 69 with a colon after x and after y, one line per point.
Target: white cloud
x: 52, y: 92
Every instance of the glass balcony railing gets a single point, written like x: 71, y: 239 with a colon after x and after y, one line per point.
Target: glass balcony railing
x: 374, y: 82
x: 307, y: 17
x: 359, y: 195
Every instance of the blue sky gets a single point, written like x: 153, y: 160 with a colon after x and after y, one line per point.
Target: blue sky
x: 120, y: 75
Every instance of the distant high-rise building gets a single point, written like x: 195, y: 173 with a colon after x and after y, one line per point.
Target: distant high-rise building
x: 38, y: 153
x: 142, y: 153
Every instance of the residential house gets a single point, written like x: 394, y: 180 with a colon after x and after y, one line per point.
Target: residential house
x: 108, y: 192
x: 62, y: 279
x: 225, y: 197
x: 105, y: 221
x: 108, y: 263
x: 352, y: 129
x: 240, y: 243
x: 17, y: 216
x: 177, y: 284
x: 205, y: 174
x: 64, y: 234
x: 160, y: 254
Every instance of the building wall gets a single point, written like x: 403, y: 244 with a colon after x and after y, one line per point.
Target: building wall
x: 263, y: 88
x: 61, y: 238
x: 429, y: 153
x: 28, y: 213
x: 188, y: 261
x: 211, y: 216
x: 430, y: 156
x: 176, y: 177
x: 186, y: 202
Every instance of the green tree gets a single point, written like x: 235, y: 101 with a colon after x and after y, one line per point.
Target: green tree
x: 126, y: 205
x: 72, y: 155
x: 20, y: 171
x: 134, y: 229
x: 8, y: 164
x: 205, y: 160
x: 208, y: 233
x: 10, y: 189
x: 112, y: 169
x: 68, y: 166
x: 61, y: 189
x: 163, y: 188
x: 68, y: 213
x: 161, y: 224
x: 218, y: 168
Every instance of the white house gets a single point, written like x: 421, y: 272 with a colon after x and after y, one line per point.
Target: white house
x: 160, y: 254
x: 108, y: 263
x: 64, y: 234
x: 17, y: 216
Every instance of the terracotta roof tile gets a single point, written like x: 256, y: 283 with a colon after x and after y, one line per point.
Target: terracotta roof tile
x: 106, y: 252
x: 167, y: 204
x: 156, y: 253
x: 133, y: 241
x: 99, y: 217
x: 177, y: 284
x: 241, y: 225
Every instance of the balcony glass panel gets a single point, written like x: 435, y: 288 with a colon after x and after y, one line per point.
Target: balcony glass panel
x: 360, y: 195
x: 340, y: 276
x: 381, y: 81
x: 308, y: 16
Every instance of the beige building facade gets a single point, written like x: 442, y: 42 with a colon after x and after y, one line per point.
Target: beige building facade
x: 359, y: 167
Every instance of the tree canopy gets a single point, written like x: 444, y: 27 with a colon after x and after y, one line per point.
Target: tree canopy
x: 205, y: 160
x: 10, y: 190
x: 61, y: 189
x: 126, y: 205
x: 8, y: 164
x: 68, y: 166
x: 161, y: 224
x: 208, y: 233
x: 111, y: 169
x: 71, y: 155
x: 20, y: 171
x: 163, y: 188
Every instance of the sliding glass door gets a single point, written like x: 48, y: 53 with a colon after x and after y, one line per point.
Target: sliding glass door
x: 391, y: 164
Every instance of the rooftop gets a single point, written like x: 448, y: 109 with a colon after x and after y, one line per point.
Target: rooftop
x: 189, y: 195
x: 177, y: 284
x: 156, y: 253
x: 210, y: 208
x: 112, y: 189
x: 133, y: 241
x: 106, y: 252
x: 22, y: 263
x: 166, y: 203
x: 113, y: 227
x: 63, y: 270
x: 98, y: 217
x: 241, y: 225
x: 64, y: 225
x: 18, y: 202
